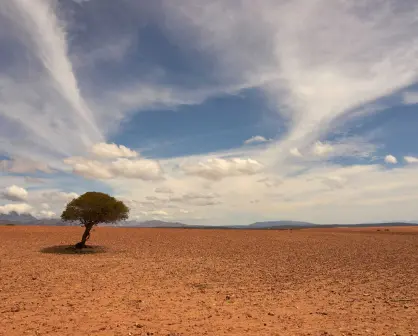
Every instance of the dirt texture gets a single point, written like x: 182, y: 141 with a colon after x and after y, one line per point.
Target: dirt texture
x: 194, y: 282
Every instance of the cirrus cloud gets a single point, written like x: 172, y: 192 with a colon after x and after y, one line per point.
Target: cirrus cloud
x: 410, y: 98
x: 23, y: 165
x: 256, y: 139
x: 315, y: 63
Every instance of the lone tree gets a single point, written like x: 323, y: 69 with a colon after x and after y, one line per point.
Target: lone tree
x: 93, y: 208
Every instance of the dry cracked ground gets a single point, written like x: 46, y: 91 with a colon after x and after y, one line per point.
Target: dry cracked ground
x: 209, y: 282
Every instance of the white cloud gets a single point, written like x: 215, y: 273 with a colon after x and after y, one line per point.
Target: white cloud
x: 322, y: 149
x: 158, y: 213
x: 312, y: 72
x: 271, y: 182
x: 144, y: 169
x: 391, y: 159
x: 112, y: 151
x: 411, y: 159
x: 410, y: 98
x: 15, y: 193
x: 334, y: 182
x: 46, y: 214
x: 316, y: 191
x: 217, y: 169
x: 316, y: 62
x: 20, y: 208
x: 57, y: 196
x: 197, y: 199
x: 255, y: 139
x: 154, y: 214
x: 89, y: 168
x: 45, y: 206
x: 148, y: 170
x: 163, y: 190
x: 295, y: 152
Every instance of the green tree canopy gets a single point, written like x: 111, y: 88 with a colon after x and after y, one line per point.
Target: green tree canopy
x: 93, y: 208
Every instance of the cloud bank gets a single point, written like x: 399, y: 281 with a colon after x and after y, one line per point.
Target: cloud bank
x: 70, y: 84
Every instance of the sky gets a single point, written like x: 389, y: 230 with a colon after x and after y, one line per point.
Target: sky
x: 216, y: 113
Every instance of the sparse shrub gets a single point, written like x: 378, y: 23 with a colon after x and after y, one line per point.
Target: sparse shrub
x: 93, y: 208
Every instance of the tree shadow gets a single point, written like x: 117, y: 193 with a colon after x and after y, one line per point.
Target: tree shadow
x: 70, y: 249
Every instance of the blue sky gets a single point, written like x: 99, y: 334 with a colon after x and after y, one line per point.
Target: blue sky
x: 220, y: 113
x: 219, y: 123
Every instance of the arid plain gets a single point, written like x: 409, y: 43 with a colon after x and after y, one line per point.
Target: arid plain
x: 191, y: 282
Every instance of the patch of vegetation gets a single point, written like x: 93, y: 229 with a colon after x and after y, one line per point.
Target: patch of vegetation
x: 93, y: 208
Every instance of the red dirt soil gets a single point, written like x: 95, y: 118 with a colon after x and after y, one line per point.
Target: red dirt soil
x: 210, y: 282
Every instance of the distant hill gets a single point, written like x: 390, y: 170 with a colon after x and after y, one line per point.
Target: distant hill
x: 296, y: 224
x: 27, y: 219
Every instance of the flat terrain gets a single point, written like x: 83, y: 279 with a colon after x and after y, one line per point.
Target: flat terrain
x: 210, y: 282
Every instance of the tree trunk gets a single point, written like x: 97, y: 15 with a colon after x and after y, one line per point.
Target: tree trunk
x: 85, y: 237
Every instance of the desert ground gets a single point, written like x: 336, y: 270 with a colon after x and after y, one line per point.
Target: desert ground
x: 209, y: 282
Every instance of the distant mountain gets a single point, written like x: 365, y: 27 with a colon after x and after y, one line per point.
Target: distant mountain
x: 296, y: 224
x: 14, y: 217
x: 27, y: 219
